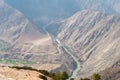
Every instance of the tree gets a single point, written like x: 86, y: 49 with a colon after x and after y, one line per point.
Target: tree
x: 65, y: 75
x: 60, y: 76
x: 96, y: 76
x: 72, y: 79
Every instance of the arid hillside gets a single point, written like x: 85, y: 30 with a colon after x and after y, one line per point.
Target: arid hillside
x: 94, y: 38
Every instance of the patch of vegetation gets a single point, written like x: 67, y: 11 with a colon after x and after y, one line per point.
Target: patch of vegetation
x: 60, y: 76
x: 10, y: 61
x: 72, y: 79
x: 3, y: 47
x: 1, y: 61
x: 96, y: 76
x: 25, y: 62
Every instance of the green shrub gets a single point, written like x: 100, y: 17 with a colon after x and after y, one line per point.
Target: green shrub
x: 59, y: 76
x: 65, y: 75
x: 72, y: 79
x: 96, y: 76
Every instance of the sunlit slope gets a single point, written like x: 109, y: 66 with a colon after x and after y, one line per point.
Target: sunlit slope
x: 94, y: 37
x: 21, y: 39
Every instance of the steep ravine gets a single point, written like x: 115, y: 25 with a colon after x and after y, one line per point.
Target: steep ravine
x: 68, y: 52
x: 94, y: 37
x: 77, y: 63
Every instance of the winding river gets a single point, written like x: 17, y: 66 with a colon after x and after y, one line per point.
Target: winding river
x: 77, y: 69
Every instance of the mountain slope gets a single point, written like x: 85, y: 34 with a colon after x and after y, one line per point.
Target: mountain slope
x: 93, y: 34
x: 94, y: 38
x: 111, y: 73
x: 108, y: 6
x: 21, y: 39
x: 22, y: 43
x: 14, y: 25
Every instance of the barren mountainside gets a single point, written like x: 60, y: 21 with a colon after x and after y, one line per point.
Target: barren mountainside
x: 21, y: 41
x: 94, y: 38
x: 19, y: 35
x: 107, y: 6
x: 87, y: 42
x: 111, y: 73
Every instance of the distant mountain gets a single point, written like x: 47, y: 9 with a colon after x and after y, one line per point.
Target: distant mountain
x: 108, y: 6
x: 44, y: 11
x: 94, y: 38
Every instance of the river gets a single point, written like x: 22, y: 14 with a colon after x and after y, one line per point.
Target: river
x: 77, y: 69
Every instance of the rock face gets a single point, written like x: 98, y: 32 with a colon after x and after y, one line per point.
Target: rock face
x: 94, y: 38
